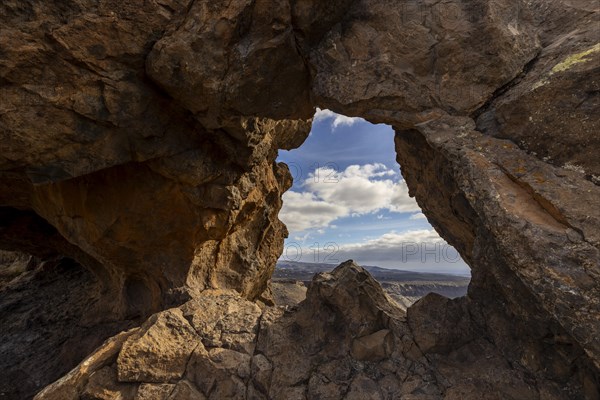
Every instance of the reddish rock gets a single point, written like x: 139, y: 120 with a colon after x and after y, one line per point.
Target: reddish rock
x: 138, y: 163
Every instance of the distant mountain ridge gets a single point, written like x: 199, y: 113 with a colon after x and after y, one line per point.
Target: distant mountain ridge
x: 305, y: 271
x: 291, y: 278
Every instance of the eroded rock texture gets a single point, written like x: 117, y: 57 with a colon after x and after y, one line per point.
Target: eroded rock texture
x: 348, y: 340
x: 120, y: 170
x: 138, y: 161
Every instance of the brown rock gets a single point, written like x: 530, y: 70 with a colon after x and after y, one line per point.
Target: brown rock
x: 555, y: 95
x: 261, y: 370
x: 322, y: 388
x: 532, y: 207
x: 363, y: 388
x: 293, y: 359
x: 223, y: 320
x: 253, y: 42
x: 140, y: 138
x: 355, y: 298
x: 103, y: 385
x: 13, y: 264
x: 452, y: 57
x: 185, y: 390
x: 373, y: 347
x: 288, y: 294
x: 220, y: 373
x: 151, y: 391
x: 439, y: 324
x: 76, y: 381
x: 159, y: 351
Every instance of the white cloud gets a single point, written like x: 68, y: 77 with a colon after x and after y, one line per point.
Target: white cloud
x: 422, y: 247
x: 302, y: 238
x: 418, y: 250
x: 336, y: 119
x: 363, y: 189
x: 304, y: 210
x: 358, y: 190
x: 392, y: 240
x: 418, y: 216
x: 368, y: 171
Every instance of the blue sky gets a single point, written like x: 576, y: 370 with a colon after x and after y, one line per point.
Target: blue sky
x: 349, y: 201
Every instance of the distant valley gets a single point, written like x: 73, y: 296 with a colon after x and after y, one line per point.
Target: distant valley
x: 291, y: 279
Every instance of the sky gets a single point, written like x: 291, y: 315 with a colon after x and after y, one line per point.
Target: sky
x: 349, y: 201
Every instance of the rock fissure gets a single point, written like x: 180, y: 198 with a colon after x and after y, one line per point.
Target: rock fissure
x: 543, y: 203
x: 498, y: 93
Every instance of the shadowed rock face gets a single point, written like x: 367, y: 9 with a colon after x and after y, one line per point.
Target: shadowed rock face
x: 52, y: 318
x: 139, y: 139
x: 346, y: 340
x: 127, y: 175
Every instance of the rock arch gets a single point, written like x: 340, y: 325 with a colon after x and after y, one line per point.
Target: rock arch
x: 146, y: 135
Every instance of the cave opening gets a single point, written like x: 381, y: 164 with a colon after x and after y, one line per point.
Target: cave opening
x: 53, y: 308
x: 350, y: 201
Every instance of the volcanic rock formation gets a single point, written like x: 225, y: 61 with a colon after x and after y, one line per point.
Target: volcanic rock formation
x: 138, y: 169
x: 347, y: 340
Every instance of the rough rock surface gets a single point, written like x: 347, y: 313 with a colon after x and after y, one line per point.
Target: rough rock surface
x: 138, y: 148
x: 93, y: 148
x: 50, y: 321
x: 348, y: 340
